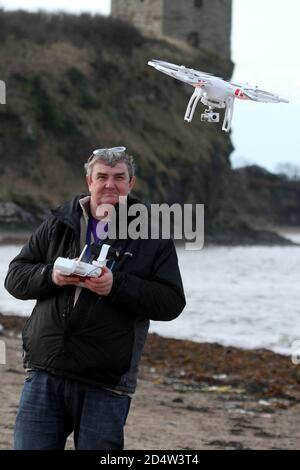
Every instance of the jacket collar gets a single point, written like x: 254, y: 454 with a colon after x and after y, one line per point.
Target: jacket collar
x: 70, y: 212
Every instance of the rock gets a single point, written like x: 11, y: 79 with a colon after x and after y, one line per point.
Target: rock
x: 178, y: 400
x: 265, y: 198
x: 12, y: 322
x: 13, y: 215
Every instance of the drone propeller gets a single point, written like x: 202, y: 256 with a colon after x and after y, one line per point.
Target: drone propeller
x: 263, y: 96
x: 180, y: 72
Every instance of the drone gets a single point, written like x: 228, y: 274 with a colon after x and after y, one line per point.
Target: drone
x: 213, y: 92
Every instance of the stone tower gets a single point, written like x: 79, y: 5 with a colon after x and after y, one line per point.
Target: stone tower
x: 201, y: 23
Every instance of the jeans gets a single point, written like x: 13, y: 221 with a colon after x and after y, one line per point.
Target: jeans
x: 52, y: 407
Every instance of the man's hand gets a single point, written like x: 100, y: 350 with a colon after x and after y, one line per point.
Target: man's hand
x: 61, y: 280
x: 100, y: 285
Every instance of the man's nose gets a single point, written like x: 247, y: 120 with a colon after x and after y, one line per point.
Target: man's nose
x: 110, y: 183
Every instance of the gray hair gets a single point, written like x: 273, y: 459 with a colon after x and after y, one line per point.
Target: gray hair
x: 110, y: 158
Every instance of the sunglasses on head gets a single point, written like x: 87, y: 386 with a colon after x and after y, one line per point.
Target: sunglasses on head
x: 103, y: 151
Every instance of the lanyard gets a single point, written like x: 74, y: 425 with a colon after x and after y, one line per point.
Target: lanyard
x: 88, y: 239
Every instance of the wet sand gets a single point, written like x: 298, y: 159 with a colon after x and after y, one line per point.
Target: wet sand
x: 189, y: 396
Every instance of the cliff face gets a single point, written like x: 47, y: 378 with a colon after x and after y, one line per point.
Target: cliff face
x: 79, y: 83
x: 264, y: 198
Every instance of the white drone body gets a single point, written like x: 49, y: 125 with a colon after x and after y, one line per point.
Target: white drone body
x: 213, y: 92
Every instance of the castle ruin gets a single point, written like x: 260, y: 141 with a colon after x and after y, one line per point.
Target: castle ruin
x: 200, y: 23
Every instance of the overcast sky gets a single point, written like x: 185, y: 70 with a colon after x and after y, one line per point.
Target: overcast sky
x: 265, y: 38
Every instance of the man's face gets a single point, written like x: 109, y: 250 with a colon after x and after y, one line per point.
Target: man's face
x: 107, y: 183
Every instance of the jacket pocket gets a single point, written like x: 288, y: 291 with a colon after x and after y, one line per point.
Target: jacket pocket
x: 30, y: 374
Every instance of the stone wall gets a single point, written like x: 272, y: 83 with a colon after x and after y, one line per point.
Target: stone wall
x: 208, y: 25
x: 146, y: 15
x: 201, y: 23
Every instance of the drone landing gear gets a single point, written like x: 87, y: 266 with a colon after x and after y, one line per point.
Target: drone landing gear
x: 228, y: 114
x: 192, y: 104
x: 210, y: 116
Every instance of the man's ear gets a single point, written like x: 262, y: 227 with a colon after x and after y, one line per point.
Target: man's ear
x: 132, y: 182
x: 88, y: 181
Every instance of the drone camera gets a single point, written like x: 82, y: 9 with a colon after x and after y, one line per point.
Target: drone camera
x: 210, y: 116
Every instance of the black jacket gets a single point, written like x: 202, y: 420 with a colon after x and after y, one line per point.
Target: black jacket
x: 100, y: 340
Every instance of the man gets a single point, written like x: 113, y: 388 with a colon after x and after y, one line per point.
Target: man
x: 82, y: 346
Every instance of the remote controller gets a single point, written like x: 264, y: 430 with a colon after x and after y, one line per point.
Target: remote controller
x: 72, y: 267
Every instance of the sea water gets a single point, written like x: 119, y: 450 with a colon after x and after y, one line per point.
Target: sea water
x: 246, y: 296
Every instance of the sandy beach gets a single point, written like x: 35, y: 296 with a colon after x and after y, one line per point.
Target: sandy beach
x: 189, y: 396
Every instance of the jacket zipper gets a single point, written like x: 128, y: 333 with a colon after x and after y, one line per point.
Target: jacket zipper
x: 67, y: 309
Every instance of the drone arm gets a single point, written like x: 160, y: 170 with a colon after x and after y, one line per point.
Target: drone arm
x: 228, y: 114
x: 192, y: 104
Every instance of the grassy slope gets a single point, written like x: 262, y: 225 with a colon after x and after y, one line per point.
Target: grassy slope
x: 75, y: 84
